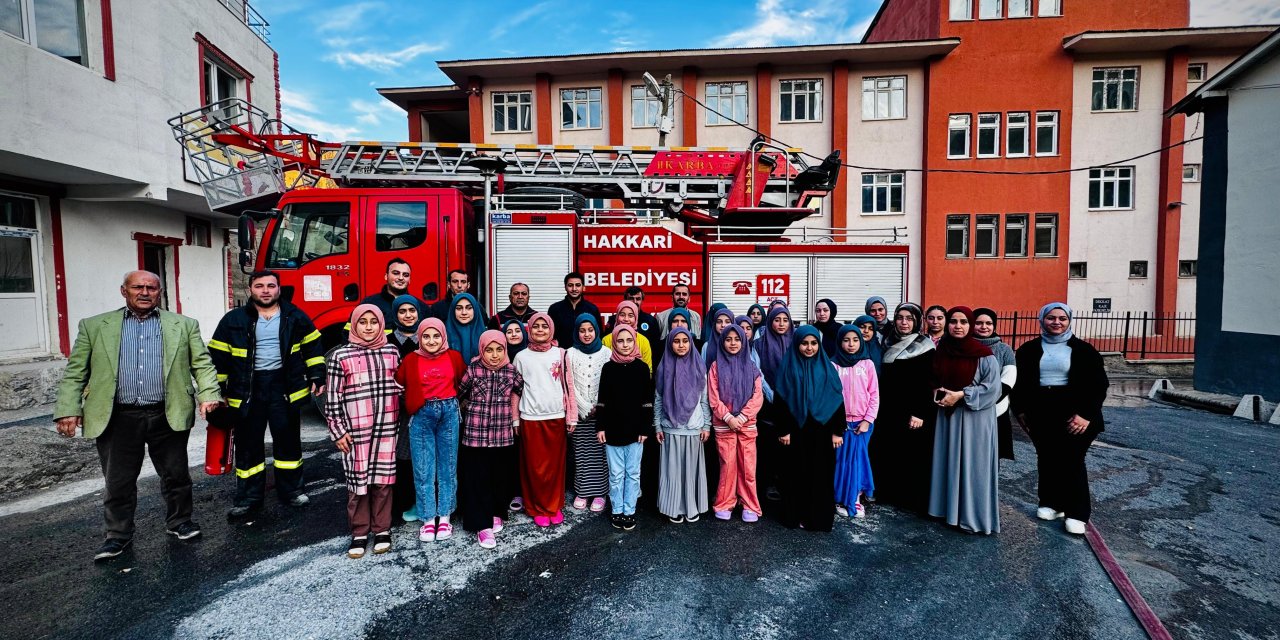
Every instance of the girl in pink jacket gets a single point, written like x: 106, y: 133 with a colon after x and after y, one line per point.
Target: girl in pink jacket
x: 734, y: 392
x: 861, y: 403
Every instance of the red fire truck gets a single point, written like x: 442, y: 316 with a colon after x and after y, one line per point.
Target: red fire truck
x: 730, y: 224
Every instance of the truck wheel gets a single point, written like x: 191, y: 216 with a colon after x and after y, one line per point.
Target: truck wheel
x: 544, y: 199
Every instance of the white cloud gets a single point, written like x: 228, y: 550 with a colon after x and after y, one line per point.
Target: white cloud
x: 383, y: 60
x: 323, y: 129
x: 779, y: 22
x: 1207, y: 13
x: 345, y: 18
x: 518, y: 19
x: 296, y: 101
x: 374, y: 113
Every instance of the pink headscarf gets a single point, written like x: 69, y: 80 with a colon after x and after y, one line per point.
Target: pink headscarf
x: 490, y: 337
x: 635, y: 310
x: 542, y: 346
x: 376, y: 343
x: 432, y: 323
x: 635, y: 349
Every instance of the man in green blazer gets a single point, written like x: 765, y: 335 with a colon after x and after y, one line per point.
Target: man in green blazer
x: 128, y: 383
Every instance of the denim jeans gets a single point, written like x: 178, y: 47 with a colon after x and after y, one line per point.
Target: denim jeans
x: 433, y: 442
x: 624, y: 477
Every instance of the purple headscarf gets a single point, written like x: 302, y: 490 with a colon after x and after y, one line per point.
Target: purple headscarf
x: 681, y: 380
x: 735, y: 374
x: 770, y: 346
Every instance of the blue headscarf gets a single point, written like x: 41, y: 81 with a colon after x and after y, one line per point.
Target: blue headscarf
x: 735, y: 373
x: 464, y: 338
x: 708, y: 334
x: 395, y: 314
x: 873, y: 347
x: 512, y: 350
x: 682, y: 312
x: 1044, y: 311
x: 810, y: 386
x: 770, y: 346
x: 843, y: 358
x: 595, y: 343
x: 711, y: 346
x: 867, y: 309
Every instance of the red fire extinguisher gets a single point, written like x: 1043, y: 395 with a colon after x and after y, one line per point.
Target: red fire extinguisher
x: 218, y: 451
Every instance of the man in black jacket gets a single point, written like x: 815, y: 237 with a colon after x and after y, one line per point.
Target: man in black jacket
x: 648, y: 324
x: 398, y: 276
x: 270, y: 360
x: 565, y: 312
x: 459, y: 282
x: 519, y: 308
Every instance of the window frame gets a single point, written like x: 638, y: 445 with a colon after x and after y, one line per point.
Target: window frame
x: 31, y: 32
x: 731, y: 118
x: 1026, y: 134
x: 968, y: 134
x: 1105, y: 82
x: 814, y: 96
x: 1077, y: 270
x: 1204, y: 72
x: 195, y: 227
x: 999, y: 10
x: 1050, y: 221
x: 988, y: 223
x: 645, y: 98
x: 1050, y: 125
x: 594, y: 95
x: 956, y: 222
x: 1040, y: 8
x: 873, y: 93
x: 989, y: 127
x: 1139, y: 269
x: 1111, y: 182
x: 1026, y: 3
x: 883, y: 181
x: 519, y: 105
x: 967, y: 5
x: 1013, y: 221
x: 1195, y: 172
x: 1188, y: 268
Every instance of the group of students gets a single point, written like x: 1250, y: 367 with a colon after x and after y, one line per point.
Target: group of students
x: 438, y: 417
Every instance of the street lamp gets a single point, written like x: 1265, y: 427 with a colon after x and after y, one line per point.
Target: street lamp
x: 661, y: 91
x: 488, y: 166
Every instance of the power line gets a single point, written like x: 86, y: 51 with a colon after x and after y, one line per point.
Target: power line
x: 938, y: 170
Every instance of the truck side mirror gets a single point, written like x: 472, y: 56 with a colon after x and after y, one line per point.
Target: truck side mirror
x: 430, y: 291
x: 245, y: 235
x: 246, y: 260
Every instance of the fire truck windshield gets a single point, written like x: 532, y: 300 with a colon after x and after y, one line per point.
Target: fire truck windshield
x: 307, y: 231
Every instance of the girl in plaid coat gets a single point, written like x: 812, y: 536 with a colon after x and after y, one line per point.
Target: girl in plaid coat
x: 362, y: 405
x: 490, y: 392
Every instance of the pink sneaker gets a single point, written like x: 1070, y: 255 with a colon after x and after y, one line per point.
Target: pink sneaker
x: 597, y: 504
x: 542, y: 521
x: 557, y: 518
x: 444, y: 531
x: 859, y: 511
x: 486, y: 539
x: 497, y: 525
x: 428, y: 532
x: 724, y: 515
x: 749, y: 516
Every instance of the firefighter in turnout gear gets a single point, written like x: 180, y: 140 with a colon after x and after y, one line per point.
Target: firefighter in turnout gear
x: 270, y: 359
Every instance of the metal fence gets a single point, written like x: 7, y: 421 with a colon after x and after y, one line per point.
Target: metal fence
x: 1136, y: 334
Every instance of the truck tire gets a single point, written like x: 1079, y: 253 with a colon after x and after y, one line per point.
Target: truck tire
x: 544, y: 199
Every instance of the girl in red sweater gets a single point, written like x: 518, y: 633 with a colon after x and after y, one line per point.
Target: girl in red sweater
x: 430, y: 376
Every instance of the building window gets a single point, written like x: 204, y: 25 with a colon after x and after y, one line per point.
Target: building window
x: 1050, y: 8
x: 986, y: 236
x: 801, y: 101
x: 1137, y: 268
x: 1078, y: 270
x: 884, y: 98
x: 199, y: 233
x: 1191, y: 173
x: 580, y: 108
x: 1196, y: 72
x: 1111, y: 188
x: 220, y: 82
x: 729, y: 99
x: 1015, y: 235
x: 56, y: 26
x: 961, y: 9
x: 958, y: 136
x: 512, y: 111
x: 1046, y: 133
x: 645, y: 109
x: 1115, y: 89
x: 1019, y: 8
x: 958, y: 236
x: 1016, y: 134
x: 882, y: 192
x: 988, y: 135
x: 1046, y: 235
x: 990, y: 10
x: 1187, y: 268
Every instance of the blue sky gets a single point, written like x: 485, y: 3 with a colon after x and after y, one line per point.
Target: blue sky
x: 333, y: 53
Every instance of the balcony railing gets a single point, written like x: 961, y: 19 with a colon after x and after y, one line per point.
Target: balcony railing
x: 245, y: 12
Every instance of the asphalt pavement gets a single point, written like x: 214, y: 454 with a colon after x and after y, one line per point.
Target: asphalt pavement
x: 1184, y: 498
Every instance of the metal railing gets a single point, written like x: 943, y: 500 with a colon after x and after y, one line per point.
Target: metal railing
x: 803, y: 234
x: 1136, y: 334
x: 250, y: 17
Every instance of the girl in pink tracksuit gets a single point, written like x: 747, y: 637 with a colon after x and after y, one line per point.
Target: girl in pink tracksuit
x: 861, y: 392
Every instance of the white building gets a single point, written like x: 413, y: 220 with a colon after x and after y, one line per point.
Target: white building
x: 92, y: 184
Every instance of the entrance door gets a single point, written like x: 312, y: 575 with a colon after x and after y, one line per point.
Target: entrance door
x: 155, y: 258
x: 23, y: 317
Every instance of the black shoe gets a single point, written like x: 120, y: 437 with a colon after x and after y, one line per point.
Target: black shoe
x: 185, y: 531
x: 618, y: 521
x: 628, y: 523
x: 298, y: 501
x: 356, y: 549
x: 676, y: 519
x: 111, y: 548
x: 244, y: 513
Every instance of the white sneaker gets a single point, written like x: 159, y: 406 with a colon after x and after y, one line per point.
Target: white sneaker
x: 841, y: 511
x: 1047, y: 513
x: 859, y: 511
x: 1075, y: 526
